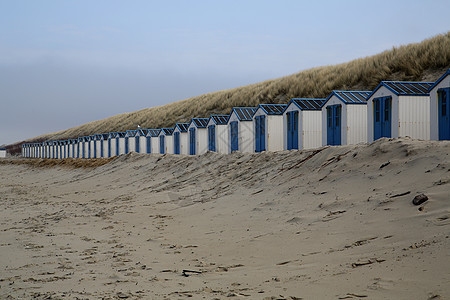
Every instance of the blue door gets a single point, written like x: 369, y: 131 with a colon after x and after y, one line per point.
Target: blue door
x: 95, y: 149
x: 212, y: 138
x: 137, y: 145
x: 192, y: 141
x: 149, y: 145
x: 101, y: 149
x: 109, y: 147
x: 127, y: 146
x: 382, y: 116
x: 334, y: 124
x: 162, y: 146
x: 234, y: 136
x: 176, y: 142
x: 117, y: 146
x: 292, y: 130
x: 260, y: 136
x: 444, y: 113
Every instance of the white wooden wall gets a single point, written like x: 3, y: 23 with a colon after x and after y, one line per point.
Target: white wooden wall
x: 142, y: 144
x: 155, y: 144
x: 414, y: 117
x: 132, y: 144
x: 356, y: 124
x: 222, y: 139
x: 310, y: 129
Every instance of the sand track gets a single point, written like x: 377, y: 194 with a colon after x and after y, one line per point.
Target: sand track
x: 331, y: 223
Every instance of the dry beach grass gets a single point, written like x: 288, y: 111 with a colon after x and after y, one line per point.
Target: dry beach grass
x: 329, y: 223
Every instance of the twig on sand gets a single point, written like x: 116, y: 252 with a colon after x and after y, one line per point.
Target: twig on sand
x: 185, y: 272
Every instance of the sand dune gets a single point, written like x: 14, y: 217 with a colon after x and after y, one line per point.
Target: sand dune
x: 330, y: 223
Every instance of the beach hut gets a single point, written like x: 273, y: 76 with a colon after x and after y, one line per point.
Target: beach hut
x: 198, y: 136
x: 41, y: 150
x: 120, y: 142
x: 440, y: 108
x: 218, y: 134
x: 141, y: 140
x: 62, y: 149
x: 268, y: 124
x: 104, y: 137
x: 90, y: 144
x: 130, y: 141
x: 302, y: 125
x: 166, y: 141
x: 152, y: 140
x: 112, y: 144
x: 3, y: 152
x: 97, y: 151
x: 70, y: 148
x: 80, y: 147
x: 180, y: 138
x: 240, y: 129
x: 45, y: 149
x: 399, y: 109
x: 344, y: 118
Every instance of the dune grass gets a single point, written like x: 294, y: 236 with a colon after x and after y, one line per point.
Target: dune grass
x: 426, y: 60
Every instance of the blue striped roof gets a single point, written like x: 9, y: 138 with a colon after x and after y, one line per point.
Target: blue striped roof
x: 406, y: 88
x: 219, y: 119
x: 272, y: 109
x: 141, y: 132
x: 308, y: 104
x: 350, y: 97
x: 166, y: 131
x: 131, y: 133
x: 199, y: 122
x: 153, y: 132
x: 243, y: 113
x: 183, y: 127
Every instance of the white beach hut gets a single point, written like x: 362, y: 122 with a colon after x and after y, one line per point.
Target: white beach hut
x: 141, y: 141
x: 198, y: 136
x: 120, y: 142
x: 302, y: 124
x: 97, y: 153
x: 3, y: 152
x: 399, y: 109
x: 180, y: 138
x: 152, y: 140
x: 344, y: 118
x: 240, y: 129
x: 130, y: 141
x: 218, y: 134
x: 70, y: 146
x: 268, y: 124
x: 440, y: 108
x: 112, y: 141
x: 166, y: 141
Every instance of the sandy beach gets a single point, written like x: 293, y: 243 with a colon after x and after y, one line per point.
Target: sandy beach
x: 329, y: 223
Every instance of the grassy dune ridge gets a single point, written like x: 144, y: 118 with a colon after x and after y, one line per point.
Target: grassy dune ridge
x: 426, y: 60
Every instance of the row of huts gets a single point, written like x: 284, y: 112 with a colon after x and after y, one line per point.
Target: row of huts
x: 419, y: 110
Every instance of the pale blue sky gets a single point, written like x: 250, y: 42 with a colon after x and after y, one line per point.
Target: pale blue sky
x: 64, y: 62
